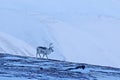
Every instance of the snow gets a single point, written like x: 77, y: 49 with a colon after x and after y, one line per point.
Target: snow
x: 14, y: 78
x: 13, y: 45
x: 30, y: 68
x: 85, y: 32
x: 110, y: 78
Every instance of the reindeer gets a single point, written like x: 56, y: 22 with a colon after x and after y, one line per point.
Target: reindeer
x: 44, y: 51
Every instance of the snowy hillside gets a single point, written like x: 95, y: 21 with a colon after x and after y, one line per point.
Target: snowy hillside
x: 17, y: 67
x: 82, y: 31
x: 9, y: 44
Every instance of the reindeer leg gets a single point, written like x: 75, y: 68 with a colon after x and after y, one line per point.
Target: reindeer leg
x: 46, y: 56
x: 43, y: 55
x: 39, y: 55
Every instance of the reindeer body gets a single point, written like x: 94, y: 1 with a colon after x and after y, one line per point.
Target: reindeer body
x: 44, y: 51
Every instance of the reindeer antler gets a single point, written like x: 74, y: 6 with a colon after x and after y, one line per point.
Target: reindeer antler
x: 50, y: 44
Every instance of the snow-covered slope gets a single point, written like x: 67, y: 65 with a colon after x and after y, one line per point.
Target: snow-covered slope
x: 9, y: 44
x: 16, y: 68
x: 96, y: 43
x: 87, y: 31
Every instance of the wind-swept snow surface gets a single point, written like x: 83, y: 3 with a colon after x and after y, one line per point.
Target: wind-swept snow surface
x: 17, y: 67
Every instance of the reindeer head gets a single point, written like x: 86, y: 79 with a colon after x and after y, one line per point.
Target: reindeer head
x: 50, y: 44
x: 51, y: 47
